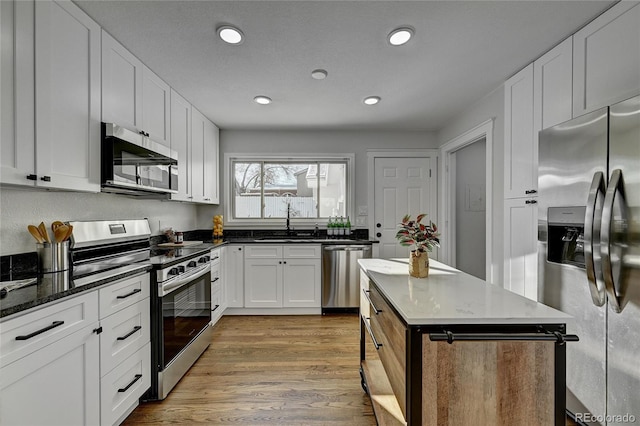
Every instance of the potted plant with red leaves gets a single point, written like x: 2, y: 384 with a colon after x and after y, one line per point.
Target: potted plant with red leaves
x: 423, y: 238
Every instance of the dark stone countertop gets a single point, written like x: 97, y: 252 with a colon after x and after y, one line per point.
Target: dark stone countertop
x: 48, y: 288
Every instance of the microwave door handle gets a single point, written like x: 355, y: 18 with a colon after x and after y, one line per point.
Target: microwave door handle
x: 615, y: 291
x: 591, y: 240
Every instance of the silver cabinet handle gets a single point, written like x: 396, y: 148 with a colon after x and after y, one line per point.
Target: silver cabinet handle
x: 613, y: 285
x: 591, y: 240
x: 373, y: 338
x: 366, y: 294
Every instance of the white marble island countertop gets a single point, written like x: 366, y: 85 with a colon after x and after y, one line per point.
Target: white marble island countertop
x: 450, y: 296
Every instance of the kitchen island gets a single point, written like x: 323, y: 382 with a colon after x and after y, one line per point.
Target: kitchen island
x: 454, y: 349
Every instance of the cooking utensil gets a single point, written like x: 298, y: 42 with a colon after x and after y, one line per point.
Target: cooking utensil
x: 33, y: 230
x: 60, y: 233
x: 68, y: 233
x: 43, y: 232
x: 55, y: 225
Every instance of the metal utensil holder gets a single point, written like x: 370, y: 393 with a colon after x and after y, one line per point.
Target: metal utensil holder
x: 53, y: 257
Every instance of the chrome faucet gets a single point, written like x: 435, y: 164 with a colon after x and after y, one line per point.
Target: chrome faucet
x: 288, y: 219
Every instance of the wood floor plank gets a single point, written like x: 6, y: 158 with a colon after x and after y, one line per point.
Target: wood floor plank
x: 264, y: 370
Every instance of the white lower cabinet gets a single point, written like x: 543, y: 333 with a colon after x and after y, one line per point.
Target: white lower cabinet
x: 282, y: 276
x: 520, y: 247
x: 57, y: 381
x: 125, y: 348
x: 233, y: 265
x: 218, y: 304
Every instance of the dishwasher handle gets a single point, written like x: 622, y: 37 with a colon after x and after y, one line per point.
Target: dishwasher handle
x: 346, y: 248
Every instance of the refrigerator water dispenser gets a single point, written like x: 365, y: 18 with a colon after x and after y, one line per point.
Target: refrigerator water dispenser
x: 566, y: 235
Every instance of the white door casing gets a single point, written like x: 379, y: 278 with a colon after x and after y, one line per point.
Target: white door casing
x: 447, y: 194
x: 401, y: 182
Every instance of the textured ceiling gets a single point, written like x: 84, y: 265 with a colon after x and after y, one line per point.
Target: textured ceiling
x: 461, y: 51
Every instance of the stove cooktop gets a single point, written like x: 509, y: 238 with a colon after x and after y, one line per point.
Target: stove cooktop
x: 162, y: 257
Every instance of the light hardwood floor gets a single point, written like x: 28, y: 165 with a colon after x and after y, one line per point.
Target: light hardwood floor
x: 270, y: 370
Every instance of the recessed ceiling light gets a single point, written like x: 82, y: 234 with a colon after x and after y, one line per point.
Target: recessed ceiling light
x: 262, y: 100
x: 230, y: 34
x: 400, y: 36
x: 319, y: 74
x: 371, y: 100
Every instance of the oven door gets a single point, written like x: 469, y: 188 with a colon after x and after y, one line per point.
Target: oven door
x: 186, y: 311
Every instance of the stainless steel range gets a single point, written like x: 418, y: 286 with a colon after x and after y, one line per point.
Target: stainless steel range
x: 180, y: 290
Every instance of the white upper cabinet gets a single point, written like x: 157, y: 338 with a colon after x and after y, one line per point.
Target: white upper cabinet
x: 606, y: 57
x: 133, y: 96
x: 181, y: 143
x: 204, y: 159
x: 552, y: 87
x: 55, y: 142
x: 519, y: 174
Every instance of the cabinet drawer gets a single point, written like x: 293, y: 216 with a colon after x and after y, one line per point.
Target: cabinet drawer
x: 121, y: 388
x: 123, y: 293
x: 27, y: 333
x: 215, y: 273
x: 302, y: 252
x: 265, y: 251
x: 124, y: 333
x: 216, y: 255
x: 391, y: 334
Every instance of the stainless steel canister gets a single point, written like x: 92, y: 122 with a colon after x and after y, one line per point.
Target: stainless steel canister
x: 53, y: 257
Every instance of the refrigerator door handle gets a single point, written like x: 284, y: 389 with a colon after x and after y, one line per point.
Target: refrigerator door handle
x: 612, y: 261
x: 591, y: 240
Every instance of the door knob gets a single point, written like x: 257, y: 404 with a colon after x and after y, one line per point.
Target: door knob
x: 378, y: 235
x: 378, y: 225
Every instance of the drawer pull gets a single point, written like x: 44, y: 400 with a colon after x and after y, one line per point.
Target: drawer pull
x: 124, y: 296
x: 375, y: 342
x: 42, y: 330
x: 136, y: 328
x: 366, y: 294
x: 215, y: 279
x: 215, y: 258
x: 135, y: 379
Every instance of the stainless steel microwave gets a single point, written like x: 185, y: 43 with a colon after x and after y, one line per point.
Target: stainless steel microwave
x: 133, y: 164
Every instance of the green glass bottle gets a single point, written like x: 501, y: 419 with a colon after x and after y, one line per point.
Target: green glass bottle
x: 347, y: 228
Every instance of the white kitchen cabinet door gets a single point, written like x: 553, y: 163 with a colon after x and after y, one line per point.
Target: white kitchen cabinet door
x: 64, y: 92
x: 181, y: 143
x: 17, y: 109
x: 520, y: 174
x: 263, y: 283
x: 520, y: 247
x: 198, y: 135
x: 552, y: 88
x: 301, y: 283
x: 58, y: 384
x: 156, y: 101
x: 233, y: 275
x: 121, y: 85
x: 606, y: 59
x: 211, y: 155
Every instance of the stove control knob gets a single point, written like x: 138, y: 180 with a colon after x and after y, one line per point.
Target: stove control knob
x: 192, y: 264
x: 173, y: 271
x: 180, y: 269
x: 203, y: 260
x: 207, y: 258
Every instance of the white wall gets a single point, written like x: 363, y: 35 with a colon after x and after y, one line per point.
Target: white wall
x: 21, y: 208
x: 320, y: 142
x: 490, y: 106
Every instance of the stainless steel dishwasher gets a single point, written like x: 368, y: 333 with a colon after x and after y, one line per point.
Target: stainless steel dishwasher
x: 341, y: 277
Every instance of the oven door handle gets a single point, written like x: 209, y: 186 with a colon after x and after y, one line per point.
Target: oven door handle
x: 184, y: 280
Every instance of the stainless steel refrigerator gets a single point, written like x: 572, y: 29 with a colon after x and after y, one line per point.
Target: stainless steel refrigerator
x: 589, y: 256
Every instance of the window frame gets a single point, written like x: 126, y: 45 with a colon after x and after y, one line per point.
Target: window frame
x: 277, y: 223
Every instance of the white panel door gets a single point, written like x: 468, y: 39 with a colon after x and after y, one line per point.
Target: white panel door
x: 67, y: 97
x: 401, y: 186
x: 301, y: 283
x: 198, y: 134
x: 181, y: 143
x: 552, y: 89
x: 520, y: 247
x: 233, y: 276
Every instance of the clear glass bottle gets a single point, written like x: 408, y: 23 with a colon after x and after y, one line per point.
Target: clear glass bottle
x: 341, y: 227
x: 330, y: 228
